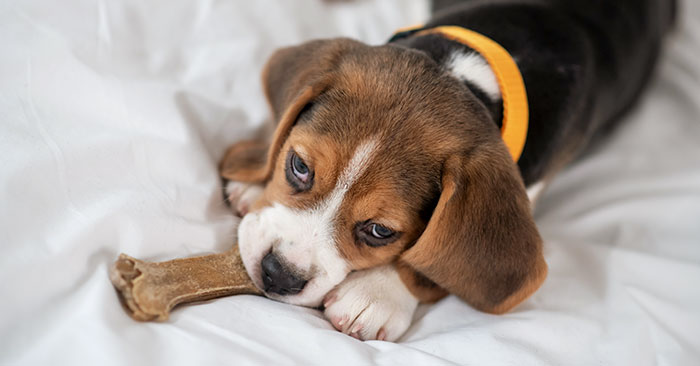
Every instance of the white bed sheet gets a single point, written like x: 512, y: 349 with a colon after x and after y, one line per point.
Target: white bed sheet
x: 113, y: 115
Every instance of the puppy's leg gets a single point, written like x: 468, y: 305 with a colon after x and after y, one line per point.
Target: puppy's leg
x: 242, y: 166
x: 242, y: 195
x: 371, y: 304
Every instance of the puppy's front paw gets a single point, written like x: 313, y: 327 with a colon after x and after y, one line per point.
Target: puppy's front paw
x: 371, y: 304
x: 242, y: 196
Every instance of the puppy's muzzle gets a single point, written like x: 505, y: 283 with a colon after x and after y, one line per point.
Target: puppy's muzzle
x: 278, y: 279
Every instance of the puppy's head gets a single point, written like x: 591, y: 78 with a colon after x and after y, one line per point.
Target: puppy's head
x: 381, y: 156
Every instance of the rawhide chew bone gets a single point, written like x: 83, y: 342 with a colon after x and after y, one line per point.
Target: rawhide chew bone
x: 150, y: 290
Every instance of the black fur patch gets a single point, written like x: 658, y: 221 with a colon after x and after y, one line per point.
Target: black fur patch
x: 584, y: 64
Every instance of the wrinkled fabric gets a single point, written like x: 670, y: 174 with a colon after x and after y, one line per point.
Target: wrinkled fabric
x: 114, y: 114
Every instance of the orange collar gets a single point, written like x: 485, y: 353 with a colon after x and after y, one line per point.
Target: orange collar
x: 510, y: 82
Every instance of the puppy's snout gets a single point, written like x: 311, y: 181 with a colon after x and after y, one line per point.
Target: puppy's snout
x: 278, y: 279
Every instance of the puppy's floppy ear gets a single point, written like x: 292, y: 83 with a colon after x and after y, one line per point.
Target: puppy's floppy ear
x: 481, y: 242
x: 292, y: 78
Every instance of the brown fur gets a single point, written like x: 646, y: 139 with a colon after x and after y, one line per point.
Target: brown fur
x: 491, y: 253
x: 441, y: 177
x: 245, y: 161
x: 420, y: 286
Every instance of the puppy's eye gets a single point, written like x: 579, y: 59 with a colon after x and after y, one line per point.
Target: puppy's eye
x: 380, y: 232
x: 300, y: 169
x: 374, y: 235
x: 298, y: 174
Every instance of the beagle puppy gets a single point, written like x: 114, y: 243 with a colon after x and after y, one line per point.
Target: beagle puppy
x: 387, y: 182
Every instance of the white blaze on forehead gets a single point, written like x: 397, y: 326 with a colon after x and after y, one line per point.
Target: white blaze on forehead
x: 356, y: 166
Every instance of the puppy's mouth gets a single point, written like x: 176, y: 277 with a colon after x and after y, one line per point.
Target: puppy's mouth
x: 281, y: 282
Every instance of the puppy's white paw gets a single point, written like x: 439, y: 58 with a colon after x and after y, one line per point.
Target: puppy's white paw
x: 242, y: 196
x: 371, y: 304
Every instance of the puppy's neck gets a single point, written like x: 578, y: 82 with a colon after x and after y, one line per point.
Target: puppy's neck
x: 466, y: 65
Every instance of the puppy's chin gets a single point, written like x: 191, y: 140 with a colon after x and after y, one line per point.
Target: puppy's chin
x: 301, y: 299
x: 311, y: 296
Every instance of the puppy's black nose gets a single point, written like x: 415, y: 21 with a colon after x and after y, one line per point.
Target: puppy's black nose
x: 278, y: 279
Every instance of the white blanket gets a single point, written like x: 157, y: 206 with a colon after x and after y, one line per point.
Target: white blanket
x: 114, y: 114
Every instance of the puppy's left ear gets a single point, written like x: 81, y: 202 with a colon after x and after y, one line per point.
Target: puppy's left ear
x: 292, y: 78
x: 481, y: 242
